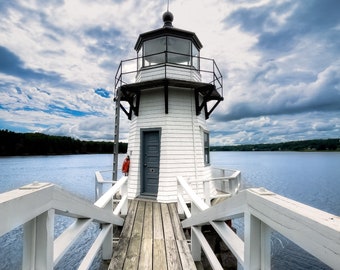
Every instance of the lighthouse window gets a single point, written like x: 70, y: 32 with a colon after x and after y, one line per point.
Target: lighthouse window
x: 195, y: 57
x: 179, y: 51
x: 154, y: 51
x: 206, y: 148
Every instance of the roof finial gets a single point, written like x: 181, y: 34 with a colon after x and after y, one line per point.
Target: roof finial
x: 168, y: 17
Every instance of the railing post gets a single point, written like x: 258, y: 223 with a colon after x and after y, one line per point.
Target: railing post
x: 195, y: 244
x: 180, y: 210
x: 107, y: 247
x: 206, y: 186
x: 266, y: 233
x: 124, y: 191
x: 38, y: 242
x: 252, y: 242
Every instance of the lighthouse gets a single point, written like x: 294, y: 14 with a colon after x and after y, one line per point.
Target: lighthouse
x: 167, y: 93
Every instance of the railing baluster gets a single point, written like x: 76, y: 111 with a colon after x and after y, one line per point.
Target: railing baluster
x: 38, y: 242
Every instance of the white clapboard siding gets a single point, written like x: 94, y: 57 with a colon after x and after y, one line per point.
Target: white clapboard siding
x: 181, y: 141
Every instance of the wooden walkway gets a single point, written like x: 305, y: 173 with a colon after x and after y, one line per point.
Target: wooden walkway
x: 152, y: 238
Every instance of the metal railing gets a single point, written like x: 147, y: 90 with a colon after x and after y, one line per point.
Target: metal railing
x: 264, y: 212
x: 207, y: 71
x: 34, y: 206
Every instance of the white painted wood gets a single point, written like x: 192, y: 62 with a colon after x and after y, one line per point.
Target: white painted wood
x: 107, y: 246
x: 266, y: 233
x: 231, y: 239
x: 68, y: 237
x: 181, y: 141
x: 90, y: 256
x: 214, y: 263
x: 28, y: 261
x: 22, y: 205
x: 107, y: 197
x: 196, y: 241
x: 252, y: 242
x: 38, y: 242
x: 233, y: 207
x: 67, y: 204
x: 183, y: 206
x: 171, y: 72
x: 34, y: 206
x: 197, y: 201
x: 314, y: 230
x: 122, y: 206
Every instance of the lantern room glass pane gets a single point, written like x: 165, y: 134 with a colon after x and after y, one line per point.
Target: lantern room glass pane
x: 140, y: 59
x: 195, y: 57
x: 154, y: 51
x: 179, y: 51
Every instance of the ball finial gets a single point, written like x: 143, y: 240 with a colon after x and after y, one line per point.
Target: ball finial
x: 167, y: 19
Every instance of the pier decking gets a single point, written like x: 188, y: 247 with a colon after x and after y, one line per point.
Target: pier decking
x: 152, y: 238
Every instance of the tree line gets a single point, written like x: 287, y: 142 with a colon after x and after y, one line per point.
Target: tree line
x: 307, y: 145
x: 19, y: 144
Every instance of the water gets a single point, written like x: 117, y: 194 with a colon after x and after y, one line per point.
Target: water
x: 310, y: 178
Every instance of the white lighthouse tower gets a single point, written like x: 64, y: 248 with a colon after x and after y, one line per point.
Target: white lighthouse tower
x: 167, y: 92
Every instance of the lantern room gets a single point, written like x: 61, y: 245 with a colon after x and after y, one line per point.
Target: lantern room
x: 168, y: 45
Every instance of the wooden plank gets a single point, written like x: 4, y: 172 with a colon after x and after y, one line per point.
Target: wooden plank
x: 145, y: 260
x: 157, y: 221
x: 117, y: 261
x: 133, y: 252
x: 137, y: 230
x: 177, y: 228
x: 167, y: 224
x: 129, y: 220
x: 119, y: 254
x: 172, y: 255
x: 147, y: 226
x: 185, y: 255
x: 132, y: 255
x: 159, y: 257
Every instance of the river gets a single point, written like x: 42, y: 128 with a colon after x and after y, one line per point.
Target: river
x: 312, y: 178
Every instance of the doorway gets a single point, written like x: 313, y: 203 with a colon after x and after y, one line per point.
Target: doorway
x: 150, y: 157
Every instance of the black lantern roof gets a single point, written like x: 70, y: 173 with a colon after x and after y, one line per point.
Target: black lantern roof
x: 168, y: 30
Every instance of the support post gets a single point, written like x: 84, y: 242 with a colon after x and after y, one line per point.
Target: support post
x: 124, y: 191
x: 38, y: 242
x: 107, y: 247
x: 195, y: 244
x: 180, y: 209
x: 266, y: 233
x: 206, y: 186
x: 252, y: 242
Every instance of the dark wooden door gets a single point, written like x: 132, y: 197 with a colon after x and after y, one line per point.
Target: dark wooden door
x: 150, y: 162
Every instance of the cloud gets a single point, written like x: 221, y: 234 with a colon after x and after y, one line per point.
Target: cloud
x: 11, y: 64
x: 279, y: 60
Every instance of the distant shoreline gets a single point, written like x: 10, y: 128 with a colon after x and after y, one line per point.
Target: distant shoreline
x: 318, y: 145
x: 33, y: 144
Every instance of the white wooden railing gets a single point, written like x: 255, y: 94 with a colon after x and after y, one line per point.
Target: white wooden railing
x: 224, y: 183
x: 263, y: 211
x: 34, y: 207
x: 100, y: 181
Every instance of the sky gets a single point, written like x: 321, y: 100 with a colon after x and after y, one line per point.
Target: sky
x: 280, y: 61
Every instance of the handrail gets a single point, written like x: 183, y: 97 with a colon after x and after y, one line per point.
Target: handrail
x: 263, y: 211
x: 34, y: 207
x: 130, y: 67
